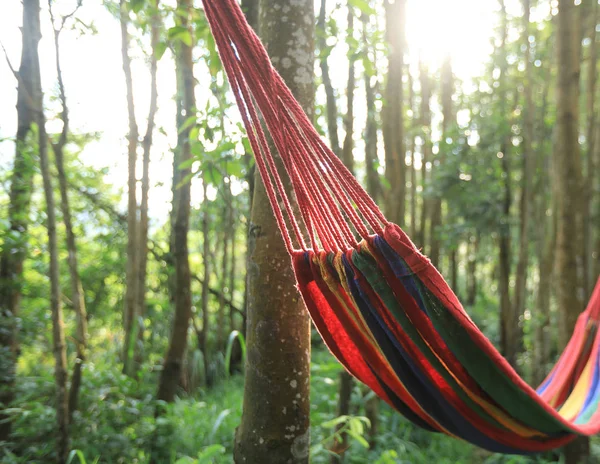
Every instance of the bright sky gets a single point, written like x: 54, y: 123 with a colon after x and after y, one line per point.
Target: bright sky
x: 96, y: 91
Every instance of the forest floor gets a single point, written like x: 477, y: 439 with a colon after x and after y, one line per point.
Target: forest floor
x: 117, y: 423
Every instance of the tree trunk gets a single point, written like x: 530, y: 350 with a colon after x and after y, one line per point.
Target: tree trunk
x: 546, y: 240
x: 448, y: 119
x: 371, y: 159
x: 14, y: 248
x: 203, y: 344
x: 393, y: 116
x: 414, y: 225
x: 347, y: 155
x: 174, y: 360
x: 528, y: 170
x: 331, y: 105
x: 129, y: 316
x: 343, y: 409
x: 509, y: 324
x: 250, y: 8
x: 425, y: 116
x: 372, y: 413
x: 221, y: 329
x: 568, y: 182
x: 588, y: 229
x: 275, y: 422
x: 77, y: 293
x: 58, y: 335
x: 143, y: 224
x: 542, y: 334
x: 472, y: 252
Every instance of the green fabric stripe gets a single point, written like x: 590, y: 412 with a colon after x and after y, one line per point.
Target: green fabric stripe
x: 505, y: 392
x: 369, y: 268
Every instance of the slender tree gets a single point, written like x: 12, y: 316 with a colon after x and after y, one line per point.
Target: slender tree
x: 58, y: 335
x: 509, y: 331
x: 545, y: 196
x: 414, y: 224
x: 567, y: 159
x: 14, y: 248
x: 591, y: 165
x: 146, y: 147
x: 129, y: 316
x: 347, y: 147
x: 174, y: 359
x: 528, y: 170
x: 371, y: 127
x: 206, y: 257
x: 77, y: 293
x: 393, y: 114
x: 449, y: 119
x: 424, y: 239
x: 275, y: 421
x: 331, y: 105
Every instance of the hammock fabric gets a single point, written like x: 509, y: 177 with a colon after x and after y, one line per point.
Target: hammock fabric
x: 381, y: 307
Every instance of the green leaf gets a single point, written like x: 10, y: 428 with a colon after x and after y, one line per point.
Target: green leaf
x: 161, y: 48
x: 363, y: 6
x: 210, y: 452
x: 334, y: 422
x: 136, y: 5
x: 187, y: 163
x: 189, y: 122
x: 180, y: 33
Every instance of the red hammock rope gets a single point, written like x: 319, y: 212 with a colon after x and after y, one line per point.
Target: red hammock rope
x: 329, y: 198
x: 380, y: 306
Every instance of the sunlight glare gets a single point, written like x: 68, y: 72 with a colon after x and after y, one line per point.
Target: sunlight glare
x: 460, y: 29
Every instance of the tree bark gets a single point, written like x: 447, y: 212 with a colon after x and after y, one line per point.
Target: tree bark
x: 174, y: 359
x: 14, y: 248
x: 58, y: 335
x: 570, y: 292
x: 393, y: 115
x: 331, y: 105
x: 275, y: 421
x: 129, y: 316
x: 143, y: 223
x: 77, y: 293
x: 528, y: 169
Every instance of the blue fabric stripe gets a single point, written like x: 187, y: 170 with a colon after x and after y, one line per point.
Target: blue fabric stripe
x: 415, y: 381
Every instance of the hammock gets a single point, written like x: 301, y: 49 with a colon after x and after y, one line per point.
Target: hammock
x: 380, y: 306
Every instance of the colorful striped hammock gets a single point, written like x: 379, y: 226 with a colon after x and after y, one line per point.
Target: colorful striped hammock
x: 381, y: 307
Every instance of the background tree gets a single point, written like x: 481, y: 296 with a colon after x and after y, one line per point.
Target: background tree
x: 14, y: 247
x: 567, y: 159
x: 186, y: 83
